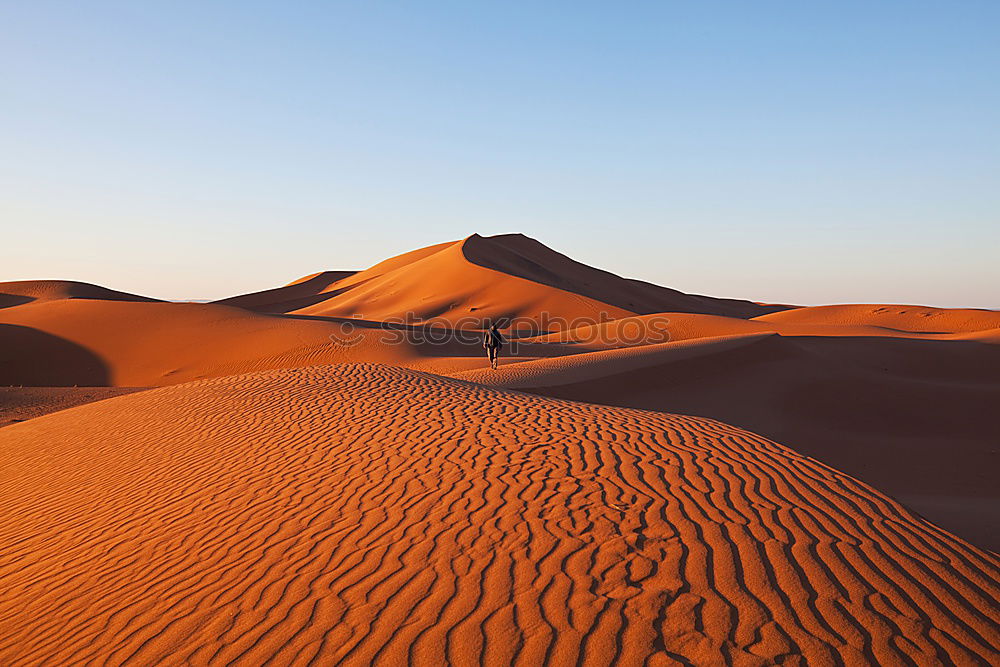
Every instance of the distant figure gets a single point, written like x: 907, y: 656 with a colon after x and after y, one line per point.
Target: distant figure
x: 493, y: 341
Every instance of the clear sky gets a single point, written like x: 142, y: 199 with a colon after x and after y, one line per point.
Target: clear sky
x: 805, y: 152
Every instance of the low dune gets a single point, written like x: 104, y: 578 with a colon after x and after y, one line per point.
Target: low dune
x: 150, y: 344
x: 664, y: 327
x: 19, y: 292
x: 366, y: 514
x: 912, y: 319
x: 154, y: 344
x: 597, y: 365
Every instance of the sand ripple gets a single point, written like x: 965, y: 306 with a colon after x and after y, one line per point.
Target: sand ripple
x: 363, y: 514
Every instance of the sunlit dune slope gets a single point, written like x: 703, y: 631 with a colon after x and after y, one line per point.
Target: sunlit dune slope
x: 916, y: 418
x: 901, y: 318
x: 298, y: 294
x: 366, y: 514
x: 318, y: 287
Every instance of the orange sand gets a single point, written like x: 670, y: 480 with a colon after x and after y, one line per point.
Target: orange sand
x: 18, y: 404
x: 298, y: 294
x: 281, y: 499
x: 901, y: 318
x: 912, y: 417
x: 368, y: 514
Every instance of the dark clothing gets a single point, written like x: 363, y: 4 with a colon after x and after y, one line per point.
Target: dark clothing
x: 492, y: 338
x: 493, y: 341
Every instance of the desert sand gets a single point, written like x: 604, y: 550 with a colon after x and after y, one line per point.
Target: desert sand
x: 18, y: 404
x: 328, y: 472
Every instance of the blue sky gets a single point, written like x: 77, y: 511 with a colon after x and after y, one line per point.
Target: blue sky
x: 805, y: 152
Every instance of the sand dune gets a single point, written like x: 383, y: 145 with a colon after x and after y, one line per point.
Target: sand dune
x: 883, y: 409
x: 499, y: 277
x: 664, y: 327
x: 445, y: 286
x: 78, y: 342
x: 115, y: 343
x: 916, y: 319
x: 20, y: 292
x: 300, y: 293
x: 148, y: 344
x: 596, y: 365
x: 318, y: 287
x: 369, y: 514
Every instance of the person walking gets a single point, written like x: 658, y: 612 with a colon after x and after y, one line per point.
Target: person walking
x: 493, y: 341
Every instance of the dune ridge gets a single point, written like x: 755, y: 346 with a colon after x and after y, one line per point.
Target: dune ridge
x: 18, y: 292
x: 366, y: 514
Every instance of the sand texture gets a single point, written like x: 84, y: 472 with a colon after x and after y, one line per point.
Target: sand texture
x: 366, y: 514
x: 329, y: 472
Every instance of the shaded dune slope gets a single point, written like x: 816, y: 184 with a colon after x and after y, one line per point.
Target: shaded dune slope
x: 32, y: 357
x: 367, y: 514
x: 913, y: 417
x: 598, y: 364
